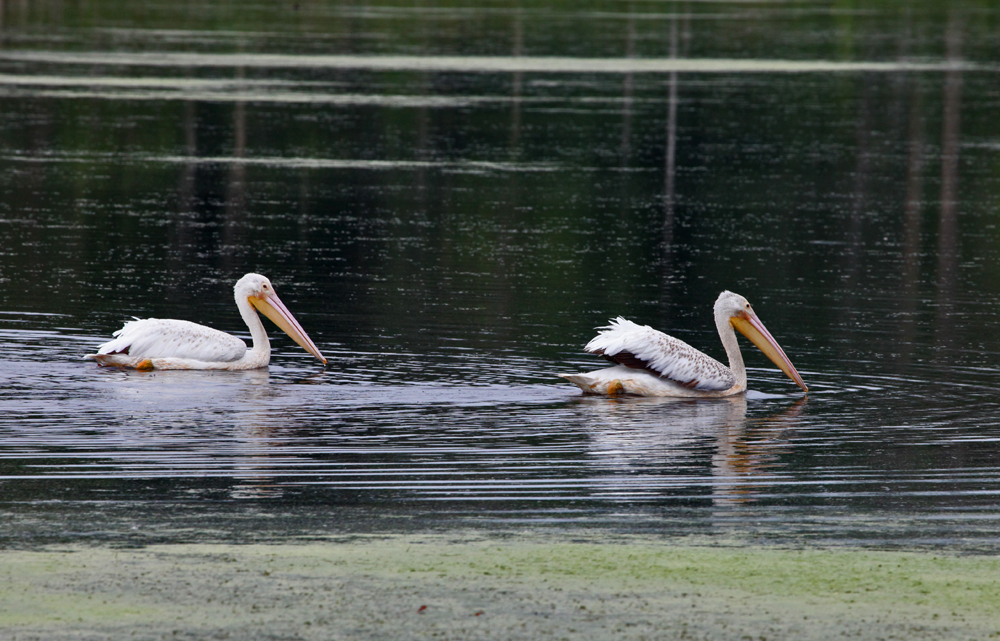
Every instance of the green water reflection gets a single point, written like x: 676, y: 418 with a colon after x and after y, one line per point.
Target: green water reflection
x: 469, y: 225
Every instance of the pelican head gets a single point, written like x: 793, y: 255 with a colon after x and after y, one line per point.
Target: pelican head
x: 734, y: 310
x: 259, y: 292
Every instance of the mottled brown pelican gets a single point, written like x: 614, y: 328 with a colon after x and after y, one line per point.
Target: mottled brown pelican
x: 651, y: 363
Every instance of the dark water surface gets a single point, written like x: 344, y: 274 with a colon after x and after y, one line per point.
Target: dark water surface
x: 450, y: 198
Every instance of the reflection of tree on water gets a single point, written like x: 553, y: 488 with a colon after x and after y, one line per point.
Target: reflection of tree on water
x: 656, y: 447
x: 948, y: 249
x: 670, y: 172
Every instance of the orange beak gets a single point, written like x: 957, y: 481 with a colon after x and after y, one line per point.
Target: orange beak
x: 271, y: 306
x: 749, y: 325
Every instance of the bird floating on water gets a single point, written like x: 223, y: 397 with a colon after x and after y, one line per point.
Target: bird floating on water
x: 155, y: 343
x: 651, y: 363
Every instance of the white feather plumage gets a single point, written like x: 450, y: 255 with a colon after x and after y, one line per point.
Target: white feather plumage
x: 651, y: 363
x: 170, y: 338
x: 156, y: 343
x: 667, y: 356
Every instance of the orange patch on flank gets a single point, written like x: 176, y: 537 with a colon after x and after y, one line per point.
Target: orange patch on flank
x: 145, y: 365
x: 615, y: 387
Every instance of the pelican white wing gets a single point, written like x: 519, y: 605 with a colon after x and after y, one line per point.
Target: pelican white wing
x: 168, y: 338
x: 155, y: 343
x: 642, y: 347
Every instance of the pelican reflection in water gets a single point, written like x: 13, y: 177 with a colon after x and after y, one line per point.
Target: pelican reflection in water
x: 656, y: 447
x: 651, y: 363
x: 154, y: 343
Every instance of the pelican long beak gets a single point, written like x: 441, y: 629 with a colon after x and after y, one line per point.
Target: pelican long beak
x: 271, y: 306
x: 750, y: 326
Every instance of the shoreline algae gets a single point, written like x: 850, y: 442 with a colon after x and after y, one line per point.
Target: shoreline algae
x: 522, y: 587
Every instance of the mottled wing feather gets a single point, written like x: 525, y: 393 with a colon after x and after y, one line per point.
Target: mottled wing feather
x: 642, y: 347
x: 167, y: 338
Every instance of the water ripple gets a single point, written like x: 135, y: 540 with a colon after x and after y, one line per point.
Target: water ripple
x: 482, y: 64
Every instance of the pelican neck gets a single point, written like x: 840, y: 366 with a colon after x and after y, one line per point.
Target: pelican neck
x: 252, y: 320
x: 732, y: 347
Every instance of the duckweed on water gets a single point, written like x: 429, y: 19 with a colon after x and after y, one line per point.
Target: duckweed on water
x: 442, y: 587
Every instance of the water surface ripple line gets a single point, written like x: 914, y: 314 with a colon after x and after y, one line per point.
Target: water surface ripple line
x: 112, y: 92
x: 483, y: 64
x: 297, y: 163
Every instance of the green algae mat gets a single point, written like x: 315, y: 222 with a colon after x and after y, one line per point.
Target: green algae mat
x: 438, y: 587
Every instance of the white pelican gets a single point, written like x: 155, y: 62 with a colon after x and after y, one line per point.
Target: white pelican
x: 154, y: 343
x: 651, y: 363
